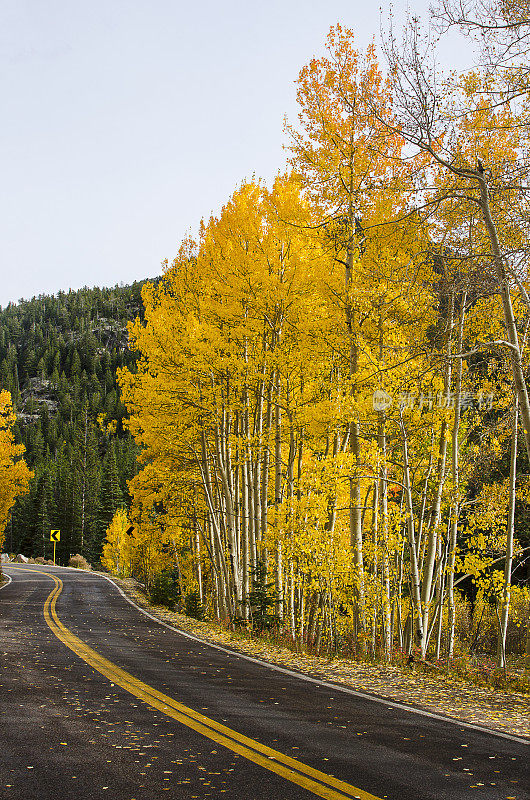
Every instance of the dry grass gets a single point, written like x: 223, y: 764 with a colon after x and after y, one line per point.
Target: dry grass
x: 79, y: 562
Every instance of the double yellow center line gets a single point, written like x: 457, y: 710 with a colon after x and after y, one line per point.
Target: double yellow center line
x: 291, y: 769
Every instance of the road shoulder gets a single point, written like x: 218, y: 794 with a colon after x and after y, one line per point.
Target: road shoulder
x: 503, y: 712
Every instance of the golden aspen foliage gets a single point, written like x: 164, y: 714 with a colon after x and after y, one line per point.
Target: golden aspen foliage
x: 117, y: 549
x: 307, y: 411
x: 14, y: 473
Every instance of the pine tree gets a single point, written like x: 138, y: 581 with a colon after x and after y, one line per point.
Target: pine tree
x: 110, y: 499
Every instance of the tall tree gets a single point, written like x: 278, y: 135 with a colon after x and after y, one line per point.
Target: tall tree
x: 14, y: 473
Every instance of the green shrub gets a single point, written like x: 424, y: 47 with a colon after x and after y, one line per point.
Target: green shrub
x: 262, y: 600
x: 193, y: 606
x: 164, y: 590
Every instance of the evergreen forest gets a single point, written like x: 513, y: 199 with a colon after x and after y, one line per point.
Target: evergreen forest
x: 58, y: 359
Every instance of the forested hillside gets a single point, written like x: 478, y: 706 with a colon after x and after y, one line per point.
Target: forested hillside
x: 58, y: 358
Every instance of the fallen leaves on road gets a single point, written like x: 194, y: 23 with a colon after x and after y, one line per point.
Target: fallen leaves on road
x: 508, y: 712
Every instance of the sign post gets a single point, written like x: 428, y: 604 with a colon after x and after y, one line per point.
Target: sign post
x: 55, y: 536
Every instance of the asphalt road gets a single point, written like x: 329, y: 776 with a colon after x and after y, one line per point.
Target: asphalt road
x: 99, y: 701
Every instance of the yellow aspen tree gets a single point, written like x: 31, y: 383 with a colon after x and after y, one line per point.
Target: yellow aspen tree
x: 344, y: 156
x: 117, y: 548
x: 14, y: 473
x: 489, y: 176
x: 230, y: 340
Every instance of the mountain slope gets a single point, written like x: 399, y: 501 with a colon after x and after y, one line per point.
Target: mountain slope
x: 58, y: 358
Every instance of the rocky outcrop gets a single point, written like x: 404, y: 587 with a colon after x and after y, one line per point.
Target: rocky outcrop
x: 38, y: 393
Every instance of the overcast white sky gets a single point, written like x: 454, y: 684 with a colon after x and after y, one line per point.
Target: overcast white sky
x: 126, y: 121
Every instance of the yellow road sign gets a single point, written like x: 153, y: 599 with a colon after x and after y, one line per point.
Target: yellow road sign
x: 55, y: 536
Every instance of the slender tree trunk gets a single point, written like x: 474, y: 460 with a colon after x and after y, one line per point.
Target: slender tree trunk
x: 245, y: 539
x: 527, y: 645
x: 278, y: 495
x: 383, y: 500
x: 356, y: 533
x: 225, y: 600
x: 505, y: 605
x: 432, y: 543
x: 266, y: 461
x: 199, y: 563
x: 509, y: 318
x: 416, y: 610
x: 292, y: 617
x: 455, y: 477
x: 375, y: 567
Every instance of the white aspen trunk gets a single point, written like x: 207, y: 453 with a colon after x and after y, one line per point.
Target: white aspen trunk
x: 256, y: 485
x: 246, y: 576
x: 399, y: 571
x: 299, y: 463
x: 229, y: 518
x: 230, y: 472
x: 527, y: 646
x: 292, y: 443
x: 312, y: 618
x: 245, y: 539
x: 278, y: 495
x: 266, y: 461
x: 319, y: 624
x: 509, y: 318
x: 432, y: 543
x: 506, y: 589
x: 251, y: 485
x: 356, y: 533
x: 225, y: 600
x: 199, y: 564
x: 416, y: 610
x: 383, y: 495
x: 422, y: 540
x: 440, y: 613
x: 302, y: 610
x: 220, y: 610
x: 243, y: 470
x: 440, y: 594
x: 332, y: 502
x: 249, y: 488
x: 375, y: 545
x: 455, y: 477
x: 292, y: 618
x: 237, y: 484
x: 205, y: 531
x: 387, y: 613
x: 258, y: 436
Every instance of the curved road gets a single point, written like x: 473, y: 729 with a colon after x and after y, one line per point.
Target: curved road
x: 100, y: 701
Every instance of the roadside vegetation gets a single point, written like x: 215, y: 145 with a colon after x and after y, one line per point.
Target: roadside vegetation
x: 14, y: 473
x: 327, y: 389
x: 330, y: 398
x: 452, y: 693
